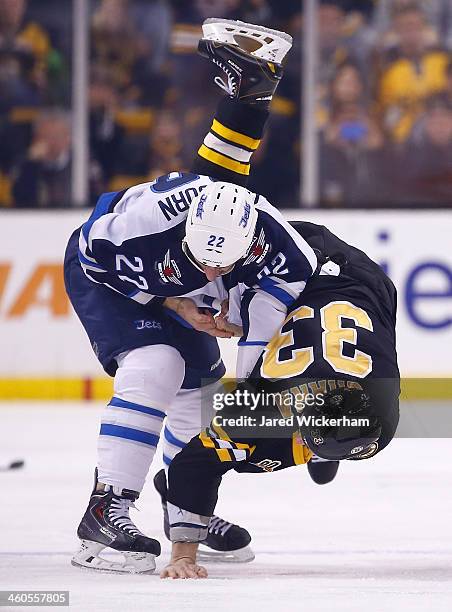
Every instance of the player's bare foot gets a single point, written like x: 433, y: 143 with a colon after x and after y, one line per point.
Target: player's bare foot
x: 184, y: 568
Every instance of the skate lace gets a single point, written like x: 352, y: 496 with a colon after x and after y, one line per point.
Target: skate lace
x: 218, y: 525
x: 231, y: 86
x: 118, y: 515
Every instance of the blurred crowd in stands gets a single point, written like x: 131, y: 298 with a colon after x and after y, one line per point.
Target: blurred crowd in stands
x: 384, y: 99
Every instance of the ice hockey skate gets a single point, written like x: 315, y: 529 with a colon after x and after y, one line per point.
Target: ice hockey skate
x: 106, y: 524
x: 249, y: 55
x: 225, y: 542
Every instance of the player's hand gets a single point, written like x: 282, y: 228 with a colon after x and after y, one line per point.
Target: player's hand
x: 183, y: 568
x: 223, y: 324
x: 200, y: 321
x: 232, y: 329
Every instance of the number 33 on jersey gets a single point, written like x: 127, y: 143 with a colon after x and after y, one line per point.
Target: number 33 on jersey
x: 323, y: 337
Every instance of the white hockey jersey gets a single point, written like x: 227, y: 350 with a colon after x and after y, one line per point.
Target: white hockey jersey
x: 132, y: 243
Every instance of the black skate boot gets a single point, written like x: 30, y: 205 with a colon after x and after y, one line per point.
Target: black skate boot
x: 225, y: 542
x: 106, y: 524
x: 249, y: 55
x: 322, y: 471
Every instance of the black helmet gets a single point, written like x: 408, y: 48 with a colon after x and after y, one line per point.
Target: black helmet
x: 342, y: 425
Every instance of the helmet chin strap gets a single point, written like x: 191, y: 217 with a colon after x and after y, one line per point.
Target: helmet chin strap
x: 188, y: 254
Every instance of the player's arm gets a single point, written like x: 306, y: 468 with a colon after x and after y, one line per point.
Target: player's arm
x: 196, y: 472
x: 261, y: 303
x: 194, y: 477
x: 201, y: 320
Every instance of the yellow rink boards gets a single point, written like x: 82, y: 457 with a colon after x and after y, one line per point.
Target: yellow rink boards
x: 102, y: 388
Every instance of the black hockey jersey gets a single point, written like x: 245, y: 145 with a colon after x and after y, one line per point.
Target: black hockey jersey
x: 341, y: 331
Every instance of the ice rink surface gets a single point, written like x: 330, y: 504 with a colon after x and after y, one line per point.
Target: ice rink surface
x: 379, y: 538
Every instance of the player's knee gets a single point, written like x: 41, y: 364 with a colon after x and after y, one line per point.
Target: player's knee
x: 150, y: 375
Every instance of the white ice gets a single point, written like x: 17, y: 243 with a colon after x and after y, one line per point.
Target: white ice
x: 376, y: 539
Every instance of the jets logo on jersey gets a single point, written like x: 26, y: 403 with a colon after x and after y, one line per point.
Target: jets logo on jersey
x: 168, y: 270
x: 258, y: 251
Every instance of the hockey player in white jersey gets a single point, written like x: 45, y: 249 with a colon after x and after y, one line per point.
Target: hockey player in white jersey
x: 129, y: 271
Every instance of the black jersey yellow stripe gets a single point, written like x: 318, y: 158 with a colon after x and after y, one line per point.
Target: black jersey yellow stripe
x: 206, y: 440
x: 222, y: 160
x: 224, y: 436
x: 221, y: 138
x: 224, y: 454
x: 235, y: 137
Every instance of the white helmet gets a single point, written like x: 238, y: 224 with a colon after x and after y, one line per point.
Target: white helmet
x: 220, y: 225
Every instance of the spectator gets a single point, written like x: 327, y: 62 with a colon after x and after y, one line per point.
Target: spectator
x: 105, y: 135
x: 348, y: 84
x: 289, y: 89
x: 365, y: 8
x: 437, y: 12
x: 276, y: 164
x: 26, y: 59
x: 336, y: 45
x: 412, y: 71
x: 31, y: 74
x: 43, y: 180
x: 338, y: 38
x: 165, y: 145
x: 256, y: 11
x: 145, y: 71
x: 161, y: 152
x: 424, y: 169
x: 347, y: 87
x: 122, y: 52
x: 55, y: 17
x: 352, y: 144
x: 152, y: 18
x: 188, y: 74
x: 333, y: 48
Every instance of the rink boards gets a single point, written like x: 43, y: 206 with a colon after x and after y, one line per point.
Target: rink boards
x: 46, y: 354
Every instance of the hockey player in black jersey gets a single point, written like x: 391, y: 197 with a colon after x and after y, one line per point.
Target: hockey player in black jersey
x: 332, y: 362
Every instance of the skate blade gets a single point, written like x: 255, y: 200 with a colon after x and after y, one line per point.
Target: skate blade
x: 88, y: 558
x: 258, y: 41
x: 242, y: 555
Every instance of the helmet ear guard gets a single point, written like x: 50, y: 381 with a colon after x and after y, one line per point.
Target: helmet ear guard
x: 190, y: 256
x: 342, y: 426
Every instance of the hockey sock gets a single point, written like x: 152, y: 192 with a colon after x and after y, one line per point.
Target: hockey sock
x: 235, y: 134
x: 131, y: 422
